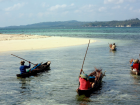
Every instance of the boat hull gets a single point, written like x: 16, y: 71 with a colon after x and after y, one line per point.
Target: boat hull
x: 88, y: 92
x: 133, y: 72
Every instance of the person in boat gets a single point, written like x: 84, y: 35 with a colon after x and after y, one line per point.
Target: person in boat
x: 94, y: 76
x: 84, y: 83
x: 113, y: 47
x: 24, y: 67
x: 135, y: 66
x: 131, y: 62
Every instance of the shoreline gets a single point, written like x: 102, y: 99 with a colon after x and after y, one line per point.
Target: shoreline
x: 17, y: 42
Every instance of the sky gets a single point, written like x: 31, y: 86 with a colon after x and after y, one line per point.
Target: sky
x: 24, y: 12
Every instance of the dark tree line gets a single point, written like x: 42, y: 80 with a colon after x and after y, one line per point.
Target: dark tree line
x: 76, y: 24
x: 132, y: 22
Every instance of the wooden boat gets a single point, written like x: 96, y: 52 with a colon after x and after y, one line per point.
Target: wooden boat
x: 36, y: 69
x: 134, y: 72
x: 97, y: 86
x: 131, y: 71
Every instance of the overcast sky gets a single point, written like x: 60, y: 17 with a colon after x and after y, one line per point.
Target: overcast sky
x: 23, y: 12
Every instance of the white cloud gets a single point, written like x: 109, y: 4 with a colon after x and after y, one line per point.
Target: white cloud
x: 30, y: 15
x: 40, y: 14
x: 7, y: 13
x: 119, y: 1
x: 43, y: 14
x: 44, y: 5
x: 87, y: 9
x: 66, y: 12
x: 57, y: 7
x: 72, y: 4
x: 21, y: 15
x: 113, y: 1
x: 132, y: 0
x: 102, y: 9
x: 131, y: 8
x: 16, y: 6
x: 1, y: 0
x: 116, y: 7
x: 77, y: 11
x: 137, y: 11
x: 126, y: 6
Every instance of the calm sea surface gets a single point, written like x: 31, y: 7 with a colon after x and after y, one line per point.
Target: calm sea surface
x: 58, y: 85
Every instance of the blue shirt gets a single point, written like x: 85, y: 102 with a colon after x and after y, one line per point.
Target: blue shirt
x: 132, y: 64
x: 23, y: 68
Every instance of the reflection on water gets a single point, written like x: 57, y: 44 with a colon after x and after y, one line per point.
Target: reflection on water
x: 114, y: 52
x: 24, y: 83
x: 136, y: 78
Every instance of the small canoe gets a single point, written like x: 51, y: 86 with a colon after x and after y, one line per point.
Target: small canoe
x: 97, y: 86
x: 36, y: 69
x: 131, y: 71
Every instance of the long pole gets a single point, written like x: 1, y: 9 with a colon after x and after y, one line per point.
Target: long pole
x: 23, y: 59
x: 85, y: 56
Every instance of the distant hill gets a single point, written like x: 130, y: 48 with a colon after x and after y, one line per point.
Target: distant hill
x: 56, y: 24
x: 115, y: 23
x: 76, y: 24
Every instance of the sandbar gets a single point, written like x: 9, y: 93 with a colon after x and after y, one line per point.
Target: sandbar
x: 17, y: 42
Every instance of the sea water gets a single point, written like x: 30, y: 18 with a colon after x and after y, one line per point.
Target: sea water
x: 58, y: 85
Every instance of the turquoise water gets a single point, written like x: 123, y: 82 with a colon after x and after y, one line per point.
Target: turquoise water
x: 58, y: 86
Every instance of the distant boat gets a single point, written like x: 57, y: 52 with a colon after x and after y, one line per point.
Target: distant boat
x: 110, y: 45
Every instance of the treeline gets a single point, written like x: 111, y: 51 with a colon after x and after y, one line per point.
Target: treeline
x: 76, y: 24
x: 131, y: 23
x: 56, y: 24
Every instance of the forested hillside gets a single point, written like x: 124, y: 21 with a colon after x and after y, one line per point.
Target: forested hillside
x: 76, y: 24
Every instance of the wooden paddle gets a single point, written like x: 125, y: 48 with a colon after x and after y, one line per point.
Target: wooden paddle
x: 85, y: 57
x: 23, y: 59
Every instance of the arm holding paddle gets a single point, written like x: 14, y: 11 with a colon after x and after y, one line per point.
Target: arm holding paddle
x: 24, y: 67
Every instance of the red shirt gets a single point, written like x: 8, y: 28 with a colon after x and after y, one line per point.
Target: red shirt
x: 84, y: 84
x: 136, y: 66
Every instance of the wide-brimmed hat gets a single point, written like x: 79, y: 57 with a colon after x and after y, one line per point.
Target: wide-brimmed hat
x: 22, y: 62
x: 85, y: 76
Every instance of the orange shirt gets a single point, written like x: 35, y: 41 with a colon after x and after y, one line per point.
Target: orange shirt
x: 84, y: 85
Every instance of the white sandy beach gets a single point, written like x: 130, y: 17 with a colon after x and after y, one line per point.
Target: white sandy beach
x: 33, y: 42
